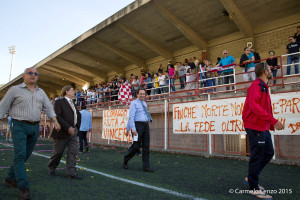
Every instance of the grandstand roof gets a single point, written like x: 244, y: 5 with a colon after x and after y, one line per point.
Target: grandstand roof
x: 147, y: 29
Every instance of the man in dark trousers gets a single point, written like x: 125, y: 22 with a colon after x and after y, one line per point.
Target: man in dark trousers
x: 69, y: 119
x: 139, y: 118
x: 258, y: 120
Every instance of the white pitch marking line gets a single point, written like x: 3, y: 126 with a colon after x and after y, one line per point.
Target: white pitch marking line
x: 126, y: 180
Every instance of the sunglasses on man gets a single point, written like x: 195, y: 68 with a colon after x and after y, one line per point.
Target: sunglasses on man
x: 32, y: 73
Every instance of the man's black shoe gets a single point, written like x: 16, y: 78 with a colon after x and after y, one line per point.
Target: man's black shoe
x: 148, y: 170
x: 125, y: 166
x: 75, y: 177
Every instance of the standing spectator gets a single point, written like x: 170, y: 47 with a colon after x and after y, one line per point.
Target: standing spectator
x: 293, y: 47
x: 70, y: 119
x: 172, y: 77
x: 25, y: 125
x: 297, y: 34
x: 248, y: 60
x: 209, y: 75
x: 258, y: 120
x: 85, y: 127
x: 170, y: 63
x: 273, y: 63
x: 149, y: 83
x: 149, y: 73
x: 229, y: 62
x: 218, y: 60
x: 135, y: 85
x: 160, y: 69
x: 56, y: 98
x: 256, y: 55
x: 202, y: 70
x: 167, y: 78
x: 125, y: 92
x: 156, y: 84
x: 162, y: 82
x: 196, y: 62
x: 191, y: 80
x: 142, y: 80
x: 114, y: 92
x: 192, y: 64
x: 181, y: 74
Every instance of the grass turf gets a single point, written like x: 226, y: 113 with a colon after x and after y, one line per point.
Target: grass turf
x: 208, y: 178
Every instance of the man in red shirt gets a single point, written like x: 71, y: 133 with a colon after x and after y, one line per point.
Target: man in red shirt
x: 258, y: 120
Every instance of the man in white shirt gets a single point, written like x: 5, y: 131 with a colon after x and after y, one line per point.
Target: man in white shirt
x: 162, y: 82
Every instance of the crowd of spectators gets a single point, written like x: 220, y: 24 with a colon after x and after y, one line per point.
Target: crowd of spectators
x: 191, y: 74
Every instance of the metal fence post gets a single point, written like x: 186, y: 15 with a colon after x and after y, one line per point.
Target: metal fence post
x: 209, y: 133
x: 166, y: 126
x: 108, y: 140
x: 90, y: 132
x: 272, y: 136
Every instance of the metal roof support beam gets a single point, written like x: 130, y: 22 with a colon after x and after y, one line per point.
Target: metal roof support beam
x: 147, y: 42
x: 66, y: 76
x: 114, y: 67
x: 50, y: 84
x: 71, y: 73
x: 238, y: 18
x: 93, y: 70
x: 47, y: 87
x: 130, y: 57
x: 58, y: 80
x: 187, y: 31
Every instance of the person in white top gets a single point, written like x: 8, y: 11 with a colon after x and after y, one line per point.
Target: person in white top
x: 162, y: 82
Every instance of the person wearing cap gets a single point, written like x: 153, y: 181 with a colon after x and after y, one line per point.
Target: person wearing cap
x: 25, y: 103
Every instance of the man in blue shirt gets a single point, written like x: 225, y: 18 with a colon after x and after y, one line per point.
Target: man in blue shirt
x: 139, y: 119
x: 86, y: 126
x: 293, y: 47
x: 227, y: 60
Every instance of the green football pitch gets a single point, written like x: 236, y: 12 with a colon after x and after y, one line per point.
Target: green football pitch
x: 175, y: 177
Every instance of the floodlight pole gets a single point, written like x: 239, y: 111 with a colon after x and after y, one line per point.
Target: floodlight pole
x: 12, y: 51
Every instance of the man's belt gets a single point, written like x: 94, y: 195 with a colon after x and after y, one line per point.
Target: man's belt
x: 28, y: 122
x: 146, y: 122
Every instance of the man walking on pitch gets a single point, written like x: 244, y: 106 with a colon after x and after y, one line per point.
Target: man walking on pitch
x: 139, y: 118
x: 258, y: 120
x: 25, y: 103
x: 85, y: 127
x: 69, y: 118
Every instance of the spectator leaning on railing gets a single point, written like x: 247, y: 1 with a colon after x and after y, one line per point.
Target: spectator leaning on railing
x: 247, y: 59
x: 228, y: 72
x: 149, y: 83
x: 293, y: 47
x: 156, y: 84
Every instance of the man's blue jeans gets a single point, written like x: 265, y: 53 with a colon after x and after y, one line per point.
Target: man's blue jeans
x: 290, y: 60
x: 24, y: 137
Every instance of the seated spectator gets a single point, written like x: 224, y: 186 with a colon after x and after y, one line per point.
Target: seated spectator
x: 229, y: 62
x: 149, y: 84
x: 181, y: 74
x: 162, y: 82
x: 247, y: 60
x: 273, y: 63
x: 293, y: 47
x: 171, y: 76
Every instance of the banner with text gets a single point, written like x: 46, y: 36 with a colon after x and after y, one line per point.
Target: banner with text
x: 225, y: 116
x: 114, y: 125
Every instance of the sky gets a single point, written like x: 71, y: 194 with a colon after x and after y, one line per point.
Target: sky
x: 38, y: 28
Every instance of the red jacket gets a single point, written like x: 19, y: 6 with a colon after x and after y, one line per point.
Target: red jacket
x: 257, y: 113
